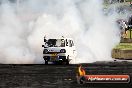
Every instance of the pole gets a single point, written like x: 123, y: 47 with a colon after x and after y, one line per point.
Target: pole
x: 130, y: 33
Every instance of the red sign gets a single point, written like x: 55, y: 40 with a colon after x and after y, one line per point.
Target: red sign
x: 107, y: 78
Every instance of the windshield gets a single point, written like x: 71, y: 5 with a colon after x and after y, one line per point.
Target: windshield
x: 55, y: 43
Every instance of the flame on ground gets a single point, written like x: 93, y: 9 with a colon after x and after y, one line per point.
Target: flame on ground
x: 81, y: 71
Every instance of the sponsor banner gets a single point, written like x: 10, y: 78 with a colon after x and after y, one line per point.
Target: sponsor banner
x: 107, y: 78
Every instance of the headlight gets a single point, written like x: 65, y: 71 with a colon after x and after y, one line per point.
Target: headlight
x: 45, y: 51
x: 63, y: 51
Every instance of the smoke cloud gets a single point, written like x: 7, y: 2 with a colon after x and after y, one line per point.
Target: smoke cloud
x: 23, y: 26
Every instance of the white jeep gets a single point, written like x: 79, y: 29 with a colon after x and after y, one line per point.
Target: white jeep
x: 59, y: 51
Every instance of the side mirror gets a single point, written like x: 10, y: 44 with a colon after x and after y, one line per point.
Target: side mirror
x: 42, y: 45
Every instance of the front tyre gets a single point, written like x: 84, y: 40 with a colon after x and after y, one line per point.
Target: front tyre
x: 46, y: 62
x: 67, y: 62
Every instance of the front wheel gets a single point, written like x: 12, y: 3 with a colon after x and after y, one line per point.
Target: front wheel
x: 67, y: 62
x: 46, y: 62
